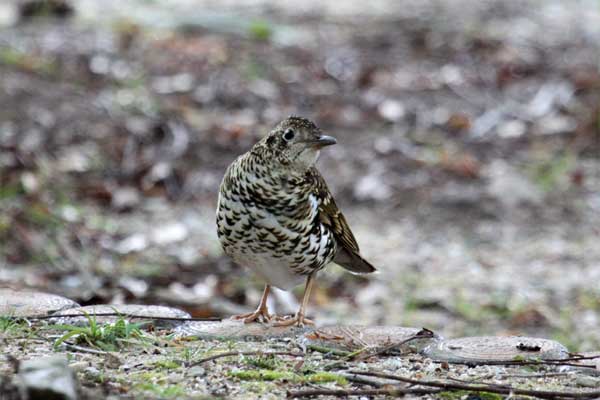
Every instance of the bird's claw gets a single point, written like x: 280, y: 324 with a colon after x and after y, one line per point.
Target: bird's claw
x: 299, y: 320
x: 260, y: 315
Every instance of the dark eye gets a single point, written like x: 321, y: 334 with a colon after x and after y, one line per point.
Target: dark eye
x: 289, y: 134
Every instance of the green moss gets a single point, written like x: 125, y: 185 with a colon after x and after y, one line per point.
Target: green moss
x: 264, y: 375
x: 548, y: 172
x: 163, y: 391
x: 260, y: 30
x: 264, y: 362
x: 18, y: 59
x: 271, y: 375
x: 323, y: 377
x: 10, y: 191
x: 5, y: 223
x: 149, y: 376
x: 167, y: 364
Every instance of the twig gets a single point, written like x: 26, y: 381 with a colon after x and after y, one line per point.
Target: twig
x: 363, y: 380
x: 335, y: 364
x: 395, y: 392
x: 245, y: 353
x: 82, y: 349
x: 528, y: 376
x: 424, y: 333
x: 564, y: 362
x: 545, y: 394
x: 328, y: 350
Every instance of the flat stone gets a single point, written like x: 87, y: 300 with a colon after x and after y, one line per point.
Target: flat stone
x: 23, y: 303
x: 229, y: 329
x: 486, y: 349
x: 156, y: 316
x: 348, y: 338
x: 355, y: 337
x: 47, y: 378
x: 587, y: 381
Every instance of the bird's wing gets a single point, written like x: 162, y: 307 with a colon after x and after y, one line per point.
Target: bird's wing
x: 330, y: 215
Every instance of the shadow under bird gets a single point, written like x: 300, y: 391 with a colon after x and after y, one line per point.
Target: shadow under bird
x: 276, y: 215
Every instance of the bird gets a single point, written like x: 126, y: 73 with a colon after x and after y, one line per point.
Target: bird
x: 276, y: 215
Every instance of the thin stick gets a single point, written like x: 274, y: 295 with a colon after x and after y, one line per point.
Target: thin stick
x: 396, y: 392
x: 422, y: 334
x: 564, y: 362
x: 246, y: 353
x: 328, y: 350
x: 82, y: 349
x: 363, y: 380
x: 545, y: 394
x: 529, y: 376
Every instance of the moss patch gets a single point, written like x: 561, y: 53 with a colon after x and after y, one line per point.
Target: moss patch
x: 271, y: 375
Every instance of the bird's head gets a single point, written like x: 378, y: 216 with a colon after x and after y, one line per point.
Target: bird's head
x: 296, y: 142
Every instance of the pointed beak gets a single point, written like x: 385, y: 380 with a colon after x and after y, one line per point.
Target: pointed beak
x: 323, y: 141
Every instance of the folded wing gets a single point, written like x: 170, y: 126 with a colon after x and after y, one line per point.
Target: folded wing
x: 347, y: 255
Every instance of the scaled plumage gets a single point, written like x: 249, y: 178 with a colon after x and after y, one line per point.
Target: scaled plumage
x: 277, y: 216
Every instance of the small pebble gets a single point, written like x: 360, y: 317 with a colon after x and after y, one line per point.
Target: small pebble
x: 79, y: 366
x: 392, y: 110
x: 196, y: 371
x: 91, y: 372
x: 175, y: 377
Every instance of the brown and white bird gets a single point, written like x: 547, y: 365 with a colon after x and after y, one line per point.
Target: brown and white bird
x: 276, y: 215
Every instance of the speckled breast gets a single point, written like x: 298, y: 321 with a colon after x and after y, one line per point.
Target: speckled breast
x: 272, y: 226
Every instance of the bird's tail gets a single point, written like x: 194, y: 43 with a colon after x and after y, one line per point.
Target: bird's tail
x: 353, y: 262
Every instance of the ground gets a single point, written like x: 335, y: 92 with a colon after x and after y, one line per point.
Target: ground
x: 467, y: 161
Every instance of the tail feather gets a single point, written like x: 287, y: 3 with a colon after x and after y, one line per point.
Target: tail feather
x: 353, y: 262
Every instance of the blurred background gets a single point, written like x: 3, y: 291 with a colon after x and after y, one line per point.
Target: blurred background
x: 468, y: 162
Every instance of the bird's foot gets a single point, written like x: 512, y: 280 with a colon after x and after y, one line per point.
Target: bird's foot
x: 299, y: 320
x: 260, y: 315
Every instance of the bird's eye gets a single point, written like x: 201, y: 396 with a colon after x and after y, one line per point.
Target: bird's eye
x: 289, y: 134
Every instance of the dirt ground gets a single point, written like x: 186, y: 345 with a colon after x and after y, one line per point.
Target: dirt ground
x: 468, y: 156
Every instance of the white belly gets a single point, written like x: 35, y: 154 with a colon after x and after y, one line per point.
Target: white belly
x: 273, y: 271
x: 246, y: 237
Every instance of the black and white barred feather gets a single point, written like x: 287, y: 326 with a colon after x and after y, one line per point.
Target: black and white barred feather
x: 275, y: 213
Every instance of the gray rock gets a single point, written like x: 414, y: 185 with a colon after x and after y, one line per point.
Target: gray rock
x: 555, y: 124
x: 587, y: 381
x: 512, y: 129
x: 92, y: 373
x: 132, y: 312
x: 347, y: 338
x: 229, y: 329
x: 47, y: 378
x: 356, y: 337
x: 196, y: 371
x: 21, y: 303
x: 486, y: 349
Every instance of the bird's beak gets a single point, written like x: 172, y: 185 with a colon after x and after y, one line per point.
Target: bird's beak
x: 322, y: 141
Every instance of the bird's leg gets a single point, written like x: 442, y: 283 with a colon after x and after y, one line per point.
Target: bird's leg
x: 262, y: 312
x: 299, y: 319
